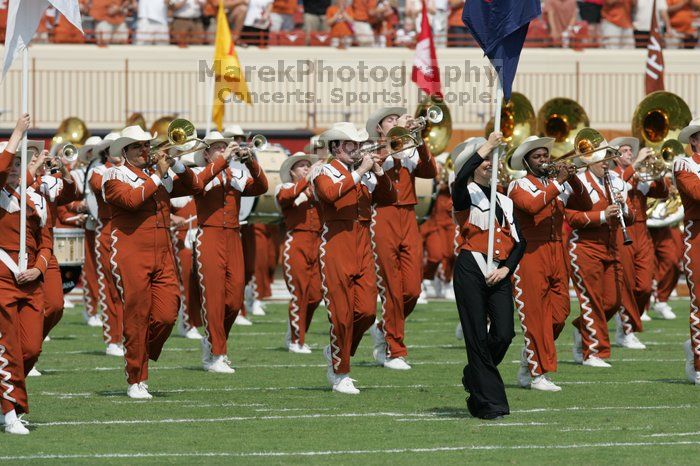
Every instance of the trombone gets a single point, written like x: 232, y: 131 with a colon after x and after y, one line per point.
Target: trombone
x: 181, y: 135
x: 588, y: 141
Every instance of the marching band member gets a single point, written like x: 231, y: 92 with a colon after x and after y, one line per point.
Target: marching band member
x: 638, y: 264
x: 397, y: 241
x: 184, y: 219
x: 686, y: 173
x: 345, y: 191
x: 482, y: 294
x: 21, y: 296
x: 541, y: 281
x: 218, y: 250
x: 594, y: 249
x: 142, y: 255
x: 108, y: 296
x: 301, y: 246
x: 668, y: 248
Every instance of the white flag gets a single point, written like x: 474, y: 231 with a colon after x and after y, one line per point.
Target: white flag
x: 23, y: 18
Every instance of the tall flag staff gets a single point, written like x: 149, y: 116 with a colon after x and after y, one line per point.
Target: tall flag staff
x: 500, y: 27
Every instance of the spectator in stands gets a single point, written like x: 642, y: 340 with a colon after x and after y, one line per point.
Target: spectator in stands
x: 616, y: 26
x: 457, y: 33
x: 590, y: 12
x: 187, y: 26
x: 439, y: 22
x: 642, y: 20
x: 282, y: 16
x: 384, y: 22
x: 683, y: 15
x: 237, y: 11
x: 414, y: 10
x: 315, y: 17
x: 561, y: 15
x: 209, y: 12
x: 406, y: 33
x: 339, y: 19
x: 256, y: 26
x: 110, y: 25
x: 364, y: 15
x: 152, y: 23
x: 3, y: 19
x: 64, y: 32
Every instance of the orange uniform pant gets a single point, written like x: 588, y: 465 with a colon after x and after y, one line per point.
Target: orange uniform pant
x: 109, y: 299
x: 191, y: 304
x: 691, y: 261
x: 144, y: 273
x: 261, y: 277
x: 302, y: 274
x: 598, y: 279
x: 53, y: 296
x: 21, y: 337
x: 541, y: 294
x: 399, y: 258
x: 668, y: 246
x: 630, y: 314
x: 643, y: 264
x: 439, y: 242
x: 218, y: 255
x: 349, y: 285
x: 88, y: 279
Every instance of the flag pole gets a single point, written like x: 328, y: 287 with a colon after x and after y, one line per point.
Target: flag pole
x: 494, y: 178
x: 210, y: 106
x: 22, y: 260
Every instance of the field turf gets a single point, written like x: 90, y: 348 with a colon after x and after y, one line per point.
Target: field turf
x: 278, y: 409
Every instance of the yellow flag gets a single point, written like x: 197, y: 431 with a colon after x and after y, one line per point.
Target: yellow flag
x: 230, y: 78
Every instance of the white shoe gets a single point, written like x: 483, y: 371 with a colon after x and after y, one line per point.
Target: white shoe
x: 288, y: 336
x: 379, y: 351
x: 544, y: 384
x: 577, y: 349
x: 422, y: 298
x: 48, y: 338
x: 193, y: 334
x: 399, y: 364
x: 629, y: 341
x: 139, y: 391
x: 114, y: 350
x: 207, y: 357
x: 220, y: 365
x: 67, y: 303
x: 524, y: 378
x: 242, y: 320
x: 459, y: 332
x: 299, y: 349
x: 344, y: 384
x: 258, y: 308
x: 448, y: 291
x: 34, y: 372
x: 330, y: 373
x: 595, y: 361
x: 94, y: 321
x: 439, y: 292
x: 663, y: 311
x: 16, y: 426
x: 690, y: 372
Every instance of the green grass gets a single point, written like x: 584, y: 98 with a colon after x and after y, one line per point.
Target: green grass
x: 278, y: 409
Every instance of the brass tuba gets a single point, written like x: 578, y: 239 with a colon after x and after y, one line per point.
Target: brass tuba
x: 136, y: 119
x: 438, y: 123
x: 562, y: 119
x: 660, y: 116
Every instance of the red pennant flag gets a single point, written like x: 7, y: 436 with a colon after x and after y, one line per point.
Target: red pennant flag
x: 425, y: 72
x: 655, y: 58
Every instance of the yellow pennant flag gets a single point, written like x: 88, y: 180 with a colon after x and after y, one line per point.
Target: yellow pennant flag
x: 230, y: 78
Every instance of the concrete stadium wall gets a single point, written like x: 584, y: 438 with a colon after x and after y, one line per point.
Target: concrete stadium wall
x: 103, y: 85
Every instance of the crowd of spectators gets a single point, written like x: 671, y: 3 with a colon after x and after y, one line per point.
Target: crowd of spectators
x: 378, y: 23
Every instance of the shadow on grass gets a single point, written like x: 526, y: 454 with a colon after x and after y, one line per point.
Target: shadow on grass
x: 63, y: 338
x: 450, y: 411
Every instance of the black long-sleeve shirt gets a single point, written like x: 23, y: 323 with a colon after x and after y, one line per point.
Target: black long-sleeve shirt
x: 461, y: 200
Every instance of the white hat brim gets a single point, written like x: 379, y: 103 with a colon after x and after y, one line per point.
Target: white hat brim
x: 288, y: 164
x: 626, y: 141
x: 115, y: 149
x: 379, y: 115
x: 468, y: 149
x: 688, y: 131
x: 516, y: 161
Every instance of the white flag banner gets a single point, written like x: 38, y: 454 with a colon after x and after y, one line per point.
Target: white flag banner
x: 23, y: 18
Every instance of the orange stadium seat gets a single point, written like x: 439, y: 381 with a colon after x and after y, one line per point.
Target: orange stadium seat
x: 538, y: 34
x: 321, y: 39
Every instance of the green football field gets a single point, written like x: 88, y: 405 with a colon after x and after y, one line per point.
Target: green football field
x: 278, y: 409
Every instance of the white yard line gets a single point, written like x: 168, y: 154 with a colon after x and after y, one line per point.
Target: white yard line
x: 674, y: 434
x: 278, y: 454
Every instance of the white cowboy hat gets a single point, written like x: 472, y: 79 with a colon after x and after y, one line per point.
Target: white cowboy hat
x: 127, y: 136
x: 528, y: 145
x: 343, y: 131
x: 627, y: 141
x: 107, y: 141
x: 289, y: 162
x: 3, y: 145
x: 91, y: 143
x: 464, y: 150
x: 377, y: 117
x: 442, y: 158
x: 233, y: 130
x: 692, y: 128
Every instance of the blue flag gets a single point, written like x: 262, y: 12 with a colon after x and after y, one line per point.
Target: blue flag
x: 500, y: 27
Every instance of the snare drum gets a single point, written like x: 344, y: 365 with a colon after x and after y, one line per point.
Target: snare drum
x: 262, y: 209
x: 69, y: 246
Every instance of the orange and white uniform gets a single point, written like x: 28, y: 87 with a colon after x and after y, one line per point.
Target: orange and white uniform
x: 348, y: 276
x: 183, y: 242
x: 21, y: 307
x: 108, y: 296
x: 218, y: 250
x: 300, y: 264
x: 541, y: 281
x: 143, y: 264
x: 596, y: 268
x: 686, y: 173
x: 668, y: 248
x: 398, y: 245
x: 439, y: 232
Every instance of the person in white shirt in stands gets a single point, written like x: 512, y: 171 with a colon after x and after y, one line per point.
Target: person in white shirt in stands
x: 438, y: 22
x: 641, y: 20
x: 256, y: 25
x: 152, y: 23
x: 187, y: 26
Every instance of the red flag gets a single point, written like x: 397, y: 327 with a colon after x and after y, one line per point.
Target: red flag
x: 426, y: 73
x: 655, y: 58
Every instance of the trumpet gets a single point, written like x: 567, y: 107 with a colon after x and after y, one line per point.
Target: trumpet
x: 660, y: 161
x: 247, y: 149
x: 433, y: 115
